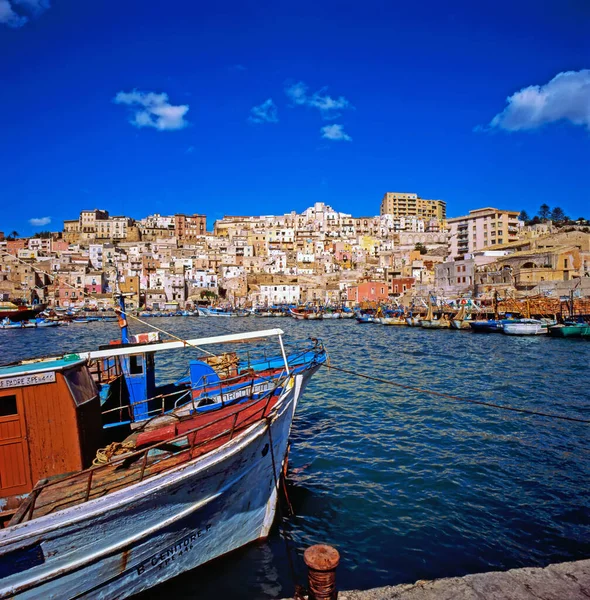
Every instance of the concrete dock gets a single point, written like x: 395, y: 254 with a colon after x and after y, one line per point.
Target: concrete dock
x: 564, y: 581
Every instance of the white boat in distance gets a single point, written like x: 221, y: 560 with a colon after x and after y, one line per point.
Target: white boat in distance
x: 114, y: 530
x: 524, y: 327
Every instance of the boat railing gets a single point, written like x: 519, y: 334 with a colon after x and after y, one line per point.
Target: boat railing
x: 224, y: 387
x: 184, y: 443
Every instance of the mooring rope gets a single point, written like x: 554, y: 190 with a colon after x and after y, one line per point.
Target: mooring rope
x: 525, y: 411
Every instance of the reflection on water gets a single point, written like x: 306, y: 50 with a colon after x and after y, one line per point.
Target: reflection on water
x: 405, y: 485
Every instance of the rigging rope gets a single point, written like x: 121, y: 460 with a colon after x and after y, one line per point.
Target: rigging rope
x: 459, y: 398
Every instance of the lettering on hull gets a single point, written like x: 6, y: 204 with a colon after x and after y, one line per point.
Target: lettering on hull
x: 162, y: 559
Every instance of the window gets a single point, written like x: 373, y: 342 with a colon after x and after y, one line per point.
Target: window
x: 135, y: 365
x: 81, y: 384
x: 8, y: 406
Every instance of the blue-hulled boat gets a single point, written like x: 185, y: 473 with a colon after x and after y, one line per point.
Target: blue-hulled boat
x: 489, y: 326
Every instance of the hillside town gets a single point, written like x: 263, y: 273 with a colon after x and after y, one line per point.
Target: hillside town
x: 320, y: 256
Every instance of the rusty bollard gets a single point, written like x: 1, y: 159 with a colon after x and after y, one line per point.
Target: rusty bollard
x: 321, y: 561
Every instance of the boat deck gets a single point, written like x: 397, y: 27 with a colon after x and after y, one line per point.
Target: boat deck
x: 186, y: 440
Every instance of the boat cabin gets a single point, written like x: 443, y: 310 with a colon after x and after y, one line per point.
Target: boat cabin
x: 50, y: 423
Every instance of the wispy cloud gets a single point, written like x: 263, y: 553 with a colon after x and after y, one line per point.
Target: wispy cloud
x: 13, y: 18
x: 153, y: 110
x: 39, y: 221
x: 238, y: 68
x: 264, y: 113
x: 566, y: 97
x: 335, y: 132
x: 328, y: 106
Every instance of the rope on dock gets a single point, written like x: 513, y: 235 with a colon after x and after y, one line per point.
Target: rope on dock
x: 525, y: 411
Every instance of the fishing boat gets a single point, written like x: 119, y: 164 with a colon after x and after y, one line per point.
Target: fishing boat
x: 430, y: 322
x: 488, y: 326
x: 413, y: 320
x: 15, y: 313
x: 188, y: 486
x: 569, y: 329
x: 216, y: 312
x: 462, y: 320
x: 524, y: 327
x: 392, y: 321
x: 305, y: 314
x: 330, y: 313
x: 392, y: 317
x: 366, y: 316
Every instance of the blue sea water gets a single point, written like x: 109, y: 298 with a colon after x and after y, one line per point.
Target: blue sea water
x: 406, y: 485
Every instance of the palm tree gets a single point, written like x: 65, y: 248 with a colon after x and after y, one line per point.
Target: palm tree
x: 14, y: 234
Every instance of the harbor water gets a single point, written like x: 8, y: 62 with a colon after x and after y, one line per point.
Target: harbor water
x: 406, y: 485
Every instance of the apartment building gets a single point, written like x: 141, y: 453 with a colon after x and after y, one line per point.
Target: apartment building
x: 482, y: 228
x: 404, y: 204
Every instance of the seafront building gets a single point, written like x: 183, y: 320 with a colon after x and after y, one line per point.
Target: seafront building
x: 482, y: 228
x: 320, y: 256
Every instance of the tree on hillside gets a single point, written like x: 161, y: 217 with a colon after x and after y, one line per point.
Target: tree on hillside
x: 544, y: 212
x: 421, y: 248
x: 524, y: 216
x: 557, y: 215
x: 42, y: 234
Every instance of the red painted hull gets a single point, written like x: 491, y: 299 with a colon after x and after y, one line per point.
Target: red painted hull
x: 22, y: 314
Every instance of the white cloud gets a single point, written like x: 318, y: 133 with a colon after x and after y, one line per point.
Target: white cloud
x: 10, y: 17
x: 335, y: 132
x: 40, y: 221
x: 264, y: 113
x: 154, y: 110
x: 565, y: 97
x: 328, y: 106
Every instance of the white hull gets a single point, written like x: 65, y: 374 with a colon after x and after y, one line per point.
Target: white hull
x: 137, y: 537
x: 306, y: 316
x: 330, y: 315
x: 524, y: 329
x: 392, y: 321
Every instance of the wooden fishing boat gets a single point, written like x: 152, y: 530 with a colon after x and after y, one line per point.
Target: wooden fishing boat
x: 331, y: 314
x: 569, y: 329
x: 413, y: 321
x: 461, y: 320
x: 305, y: 314
x: 524, y: 327
x: 430, y: 322
x: 15, y: 313
x: 392, y: 321
x: 176, y: 494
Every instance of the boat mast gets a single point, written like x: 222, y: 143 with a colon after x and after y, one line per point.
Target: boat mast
x: 122, y: 315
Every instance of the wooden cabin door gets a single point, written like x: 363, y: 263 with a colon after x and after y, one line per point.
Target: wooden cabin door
x: 15, y: 472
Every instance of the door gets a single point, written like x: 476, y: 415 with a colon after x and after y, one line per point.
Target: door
x: 15, y: 476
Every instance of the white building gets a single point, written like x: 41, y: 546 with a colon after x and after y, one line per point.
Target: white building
x: 279, y: 294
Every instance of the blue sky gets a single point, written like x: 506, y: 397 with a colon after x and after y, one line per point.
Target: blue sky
x: 241, y: 107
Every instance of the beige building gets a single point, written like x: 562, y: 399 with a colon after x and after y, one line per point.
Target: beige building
x: 481, y: 229
x: 403, y: 204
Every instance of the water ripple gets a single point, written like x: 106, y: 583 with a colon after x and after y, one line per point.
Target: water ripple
x: 406, y: 485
